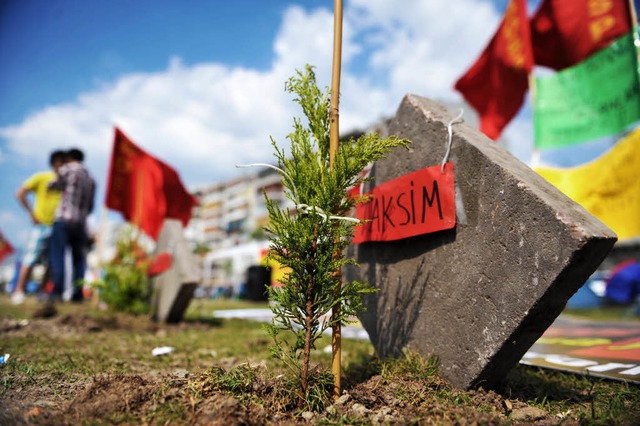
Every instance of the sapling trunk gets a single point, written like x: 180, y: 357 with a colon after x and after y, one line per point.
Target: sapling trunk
x: 306, y: 352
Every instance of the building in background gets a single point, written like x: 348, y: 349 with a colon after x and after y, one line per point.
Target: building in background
x: 229, y: 223
x: 235, y: 212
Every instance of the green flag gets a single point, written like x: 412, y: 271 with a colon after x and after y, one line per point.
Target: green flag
x: 596, y: 98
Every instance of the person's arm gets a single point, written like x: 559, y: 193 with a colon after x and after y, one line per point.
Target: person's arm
x: 21, y: 195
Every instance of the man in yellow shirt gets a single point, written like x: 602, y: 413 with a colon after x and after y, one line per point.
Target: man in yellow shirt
x: 42, y: 214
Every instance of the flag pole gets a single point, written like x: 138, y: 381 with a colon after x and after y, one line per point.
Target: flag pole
x: 531, y: 79
x: 633, y: 17
x: 633, y: 23
x: 334, y: 138
x: 137, y: 220
x: 95, y: 296
x: 535, y: 153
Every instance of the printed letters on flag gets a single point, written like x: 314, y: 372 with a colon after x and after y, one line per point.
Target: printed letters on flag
x: 608, y: 187
x: 598, y: 97
x: 565, y: 32
x: 144, y: 189
x: 497, y: 82
x: 5, y: 247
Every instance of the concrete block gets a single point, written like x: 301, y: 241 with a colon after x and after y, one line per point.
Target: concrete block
x: 174, y: 288
x: 479, y: 295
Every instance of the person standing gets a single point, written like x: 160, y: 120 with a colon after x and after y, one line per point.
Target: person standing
x: 70, y: 225
x: 42, y: 214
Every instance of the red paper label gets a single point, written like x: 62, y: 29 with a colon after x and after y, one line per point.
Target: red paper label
x: 414, y: 204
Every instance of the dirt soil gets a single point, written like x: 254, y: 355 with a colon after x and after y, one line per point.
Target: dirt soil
x: 140, y: 398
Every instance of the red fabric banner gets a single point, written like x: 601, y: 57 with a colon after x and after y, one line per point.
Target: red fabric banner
x: 144, y: 189
x: 564, y: 33
x: 496, y: 84
x: 414, y: 204
x: 5, y: 247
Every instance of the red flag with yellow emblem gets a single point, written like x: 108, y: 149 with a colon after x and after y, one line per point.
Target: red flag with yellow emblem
x: 564, y: 33
x: 144, y: 189
x: 496, y: 84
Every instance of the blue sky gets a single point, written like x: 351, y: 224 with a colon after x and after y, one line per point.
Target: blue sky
x: 200, y: 84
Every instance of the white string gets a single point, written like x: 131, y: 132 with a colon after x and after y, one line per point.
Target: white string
x: 244, y: 166
x: 304, y: 208
x: 450, y: 130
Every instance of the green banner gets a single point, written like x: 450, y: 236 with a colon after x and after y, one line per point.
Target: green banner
x: 598, y: 97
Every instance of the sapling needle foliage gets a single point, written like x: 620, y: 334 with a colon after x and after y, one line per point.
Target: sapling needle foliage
x: 307, y: 239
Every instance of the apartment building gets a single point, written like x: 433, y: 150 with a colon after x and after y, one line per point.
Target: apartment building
x: 230, y: 221
x: 235, y: 211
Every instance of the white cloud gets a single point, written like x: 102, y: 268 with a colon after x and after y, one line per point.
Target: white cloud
x: 519, y: 134
x: 305, y: 38
x: 10, y: 223
x: 205, y: 119
x: 421, y: 46
x: 8, y: 219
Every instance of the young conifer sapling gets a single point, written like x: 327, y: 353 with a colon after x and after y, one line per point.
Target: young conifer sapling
x: 307, y: 239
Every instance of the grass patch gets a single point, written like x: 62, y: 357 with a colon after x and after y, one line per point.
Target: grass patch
x: 223, y: 368
x: 591, y: 400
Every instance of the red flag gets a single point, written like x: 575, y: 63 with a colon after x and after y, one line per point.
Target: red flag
x: 5, y: 247
x: 564, y: 33
x: 144, y: 189
x: 497, y: 82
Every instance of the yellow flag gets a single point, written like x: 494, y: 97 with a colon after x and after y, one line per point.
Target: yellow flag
x: 608, y: 187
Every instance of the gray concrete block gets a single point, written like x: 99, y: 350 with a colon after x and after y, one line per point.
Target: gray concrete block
x: 174, y: 288
x: 479, y: 295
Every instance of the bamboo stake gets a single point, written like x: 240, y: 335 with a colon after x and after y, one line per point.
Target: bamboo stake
x: 334, y: 111
x: 334, y: 138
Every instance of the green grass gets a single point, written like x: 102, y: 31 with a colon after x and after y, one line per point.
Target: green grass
x: 199, y: 342
x: 592, y: 400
